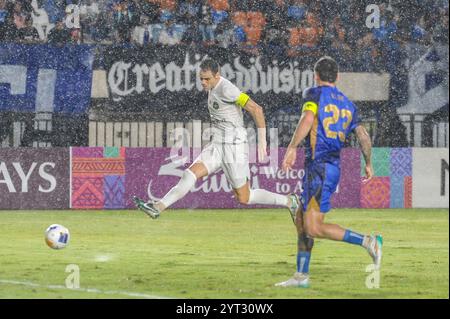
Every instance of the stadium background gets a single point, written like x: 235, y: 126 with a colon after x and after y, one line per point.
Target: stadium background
x: 126, y: 76
x: 268, y: 48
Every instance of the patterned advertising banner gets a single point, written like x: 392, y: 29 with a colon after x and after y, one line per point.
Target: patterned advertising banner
x: 107, y: 178
x: 34, y: 178
x: 98, y: 178
x: 392, y: 185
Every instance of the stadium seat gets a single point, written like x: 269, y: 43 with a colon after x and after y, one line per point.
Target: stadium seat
x: 310, y: 37
x: 253, y: 35
x: 169, y: 5
x: 155, y: 31
x: 219, y: 5
x: 218, y: 16
x: 240, y: 18
x: 294, y: 38
x: 296, y: 13
x: 166, y: 15
x: 207, y: 32
x: 256, y: 19
x: 239, y: 34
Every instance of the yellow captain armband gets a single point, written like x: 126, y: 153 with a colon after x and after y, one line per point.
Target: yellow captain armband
x: 242, y: 99
x: 310, y: 106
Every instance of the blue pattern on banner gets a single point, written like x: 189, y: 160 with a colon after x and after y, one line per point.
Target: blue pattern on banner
x: 60, y: 74
x: 401, y: 162
x: 397, y: 192
x: 114, y: 188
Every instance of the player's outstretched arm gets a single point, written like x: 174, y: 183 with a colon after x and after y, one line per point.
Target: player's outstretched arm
x: 366, y: 148
x: 303, y: 128
x: 257, y: 114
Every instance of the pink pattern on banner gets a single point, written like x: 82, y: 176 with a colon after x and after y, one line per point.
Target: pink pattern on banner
x: 376, y: 193
x: 87, y: 152
x: 93, y: 177
x: 88, y: 193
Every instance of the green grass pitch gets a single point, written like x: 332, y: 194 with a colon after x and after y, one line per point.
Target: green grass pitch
x: 219, y: 254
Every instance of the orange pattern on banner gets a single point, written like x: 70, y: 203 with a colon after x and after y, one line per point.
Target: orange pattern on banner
x: 408, y: 192
x: 376, y: 193
x: 90, y: 167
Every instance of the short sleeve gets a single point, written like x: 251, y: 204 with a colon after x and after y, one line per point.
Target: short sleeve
x: 234, y: 95
x: 310, y: 100
x: 356, y: 121
x: 231, y: 93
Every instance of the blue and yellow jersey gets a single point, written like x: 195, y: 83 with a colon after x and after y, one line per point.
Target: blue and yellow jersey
x: 335, y: 118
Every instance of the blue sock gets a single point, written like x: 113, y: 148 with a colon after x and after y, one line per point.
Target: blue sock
x: 303, y: 259
x: 353, y: 238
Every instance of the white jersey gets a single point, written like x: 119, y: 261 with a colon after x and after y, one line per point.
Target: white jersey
x: 227, y: 118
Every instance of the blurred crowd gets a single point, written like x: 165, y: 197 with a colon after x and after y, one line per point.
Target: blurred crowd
x: 273, y: 27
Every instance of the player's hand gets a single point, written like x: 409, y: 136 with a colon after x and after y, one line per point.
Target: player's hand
x: 262, y: 151
x: 369, y: 173
x: 289, y: 159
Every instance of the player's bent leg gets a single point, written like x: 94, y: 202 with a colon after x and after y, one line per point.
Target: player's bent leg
x: 315, y: 225
x: 243, y: 194
x: 199, y: 169
x: 235, y: 166
x: 316, y: 228
x: 187, y: 182
x: 248, y: 196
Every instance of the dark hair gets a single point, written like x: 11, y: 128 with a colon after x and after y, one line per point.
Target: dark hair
x: 327, y: 69
x: 210, y: 65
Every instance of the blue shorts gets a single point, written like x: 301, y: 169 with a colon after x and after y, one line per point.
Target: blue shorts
x: 319, y: 183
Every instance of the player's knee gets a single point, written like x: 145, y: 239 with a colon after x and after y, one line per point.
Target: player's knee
x: 243, y: 199
x: 314, y: 231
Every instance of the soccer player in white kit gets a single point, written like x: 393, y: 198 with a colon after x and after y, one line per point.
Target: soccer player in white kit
x: 228, y: 150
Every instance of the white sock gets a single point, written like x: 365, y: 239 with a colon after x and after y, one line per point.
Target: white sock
x: 366, y: 242
x: 186, y: 183
x: 263, y: 197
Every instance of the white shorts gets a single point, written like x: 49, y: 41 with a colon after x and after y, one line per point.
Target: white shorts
x: 231, y: 158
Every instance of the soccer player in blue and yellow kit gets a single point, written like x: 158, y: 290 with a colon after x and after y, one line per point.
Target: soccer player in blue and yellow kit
x: 328, y: 117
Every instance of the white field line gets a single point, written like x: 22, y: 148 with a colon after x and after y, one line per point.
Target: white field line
x: 89, y: 290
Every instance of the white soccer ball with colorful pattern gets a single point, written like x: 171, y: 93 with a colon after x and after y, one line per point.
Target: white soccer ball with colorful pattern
x: 57, y: 236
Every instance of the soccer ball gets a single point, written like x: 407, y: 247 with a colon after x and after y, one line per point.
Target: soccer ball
x: 57, y: 236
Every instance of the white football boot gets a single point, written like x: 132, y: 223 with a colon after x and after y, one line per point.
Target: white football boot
x: 299, y: 280
x: 375, y: 250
